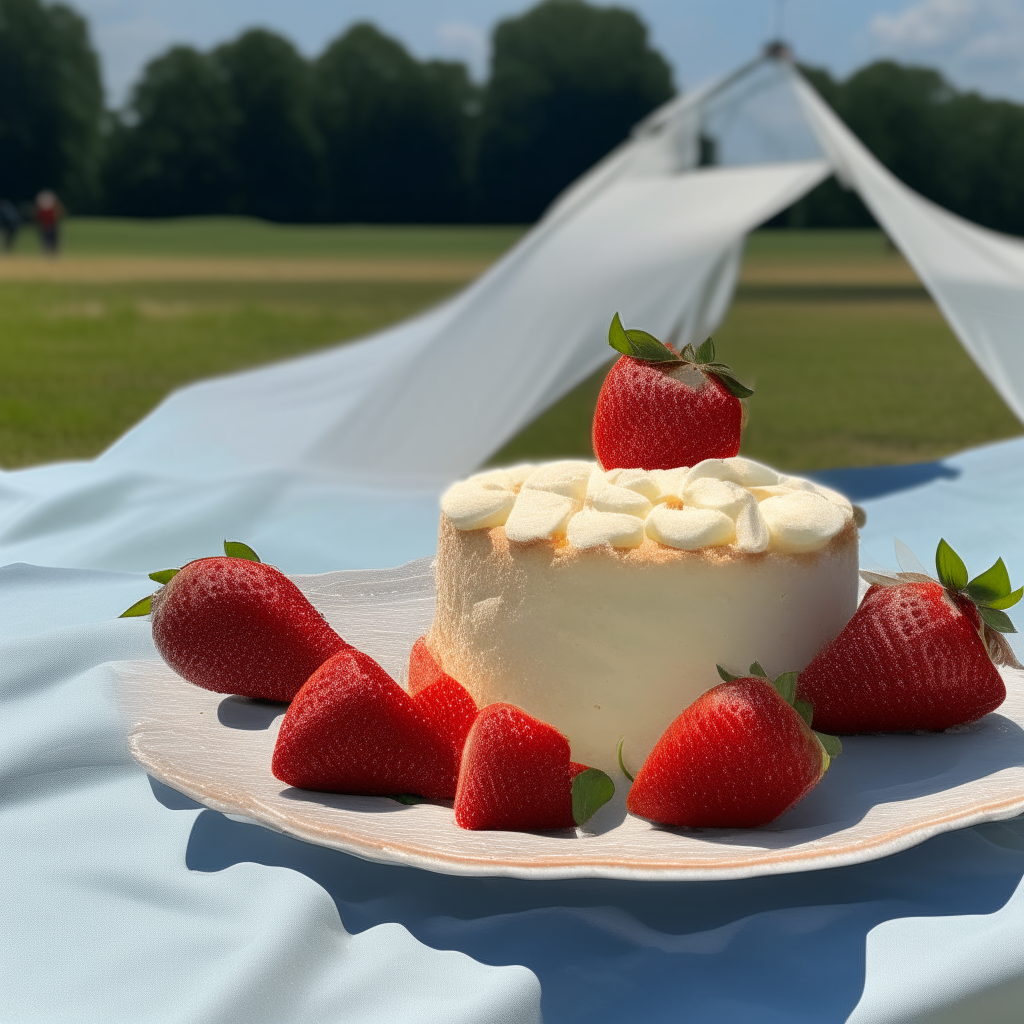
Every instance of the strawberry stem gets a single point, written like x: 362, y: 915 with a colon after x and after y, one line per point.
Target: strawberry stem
x: 232, y: 548
x: 643, y: 346
x: 622, y: 767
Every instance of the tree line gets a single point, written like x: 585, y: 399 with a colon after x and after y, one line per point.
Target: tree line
x: 365, y: 132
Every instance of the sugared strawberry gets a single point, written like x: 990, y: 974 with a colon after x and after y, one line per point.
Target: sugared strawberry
x: 917, y: 654
x: 353, y: 729
x: 443, y: 701
x: 516, y: 775
x: 738, y: 757
x: 424, y: 669
x: 236, y: 625
x: 659, y: 410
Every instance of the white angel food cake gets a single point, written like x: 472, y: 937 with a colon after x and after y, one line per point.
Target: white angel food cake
x: 601, y: 602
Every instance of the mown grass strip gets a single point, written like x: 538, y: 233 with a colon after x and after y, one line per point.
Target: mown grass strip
x: 853, y: 364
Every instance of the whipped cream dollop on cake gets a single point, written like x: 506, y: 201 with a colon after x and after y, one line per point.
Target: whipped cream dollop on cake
x: 601, y: 602
x: 718, y: 502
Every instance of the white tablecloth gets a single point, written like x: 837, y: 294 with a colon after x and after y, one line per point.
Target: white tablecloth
x: 123, y: 900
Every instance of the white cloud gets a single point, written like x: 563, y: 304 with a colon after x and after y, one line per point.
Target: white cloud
x: 980, y: 42
x: 925, y: 25
x: 996, y: 46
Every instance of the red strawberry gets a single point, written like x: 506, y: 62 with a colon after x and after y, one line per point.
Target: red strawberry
x: 917, y: 654
x: 516, y: 775
x: 353, y: 729
x: 235, y: 625
x: 442, y: 700
x: 424, y: 670
x: 738, y: 757
x: 660, y: 410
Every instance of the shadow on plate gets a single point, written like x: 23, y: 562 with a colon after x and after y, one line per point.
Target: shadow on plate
x: 384, y: 804
x: 353, y: 802
x: 249, y: 713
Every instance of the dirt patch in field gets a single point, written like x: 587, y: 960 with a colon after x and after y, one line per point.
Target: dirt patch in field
x: 894, y: 272
x: 114, y: 269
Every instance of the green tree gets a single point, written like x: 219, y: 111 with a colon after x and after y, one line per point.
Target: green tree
x: 895, y: 112
x: 275, y: 145
x: 396, y: 131
x: 960, y: 150
x: 51, y: 104
x: 567, y: 83
x: 171, y: 154
x: 981, y: 173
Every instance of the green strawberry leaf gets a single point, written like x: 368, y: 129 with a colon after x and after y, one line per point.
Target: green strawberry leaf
x: 731, y: 383
x: 831, y: 744
x: 143, y: 607
x: 617, y: 337
x: 950, y: 567
x: 756, y: 670
x: 786, y: 685
x: 236, y: 549
x: 622, y: 767
x: 706, y: 353
x: 804, y: 709
x: 991, y: 585
x: 1007, y: 602
x: 591, y: 790
x: 654, y: 351
x: 164, y: 575
x: 993, y: 617
x: 638, y: 344
x: 407, y: 798
x: 688, y: 355
x: 726, y: 675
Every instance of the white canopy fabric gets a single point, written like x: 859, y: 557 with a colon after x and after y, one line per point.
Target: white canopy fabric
x: 976, y: 276
x: 430, y: 399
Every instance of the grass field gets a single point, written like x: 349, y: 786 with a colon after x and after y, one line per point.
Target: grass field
x: 852, y: 362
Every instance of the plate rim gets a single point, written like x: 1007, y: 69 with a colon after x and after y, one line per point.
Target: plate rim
x: 771, y: 862
x: 767, y: 862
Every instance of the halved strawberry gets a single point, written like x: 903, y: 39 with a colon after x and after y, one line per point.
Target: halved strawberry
x: 918, y: 654
x: 516, y: 775
x: 235, y: 625
x: 739, y: 756
x: 353, y: 729
x: 443, y: 701
x: 659, y: 409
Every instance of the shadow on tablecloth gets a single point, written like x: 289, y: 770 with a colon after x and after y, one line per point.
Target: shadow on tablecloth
x: 787, y: 948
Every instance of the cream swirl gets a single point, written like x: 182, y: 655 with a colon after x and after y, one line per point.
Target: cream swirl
x: 718, y: 502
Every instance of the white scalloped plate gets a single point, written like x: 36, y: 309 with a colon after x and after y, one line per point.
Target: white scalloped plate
x: 883, y: 795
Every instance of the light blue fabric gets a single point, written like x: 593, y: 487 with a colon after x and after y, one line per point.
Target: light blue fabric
x: 124, y: 900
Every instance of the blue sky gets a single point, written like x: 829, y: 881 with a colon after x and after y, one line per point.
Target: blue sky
x: 978, y: 44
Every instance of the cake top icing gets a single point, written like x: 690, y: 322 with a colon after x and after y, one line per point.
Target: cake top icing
x: 717, y: 502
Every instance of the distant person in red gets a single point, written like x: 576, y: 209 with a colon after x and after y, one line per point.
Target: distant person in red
x: 48, y: 214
